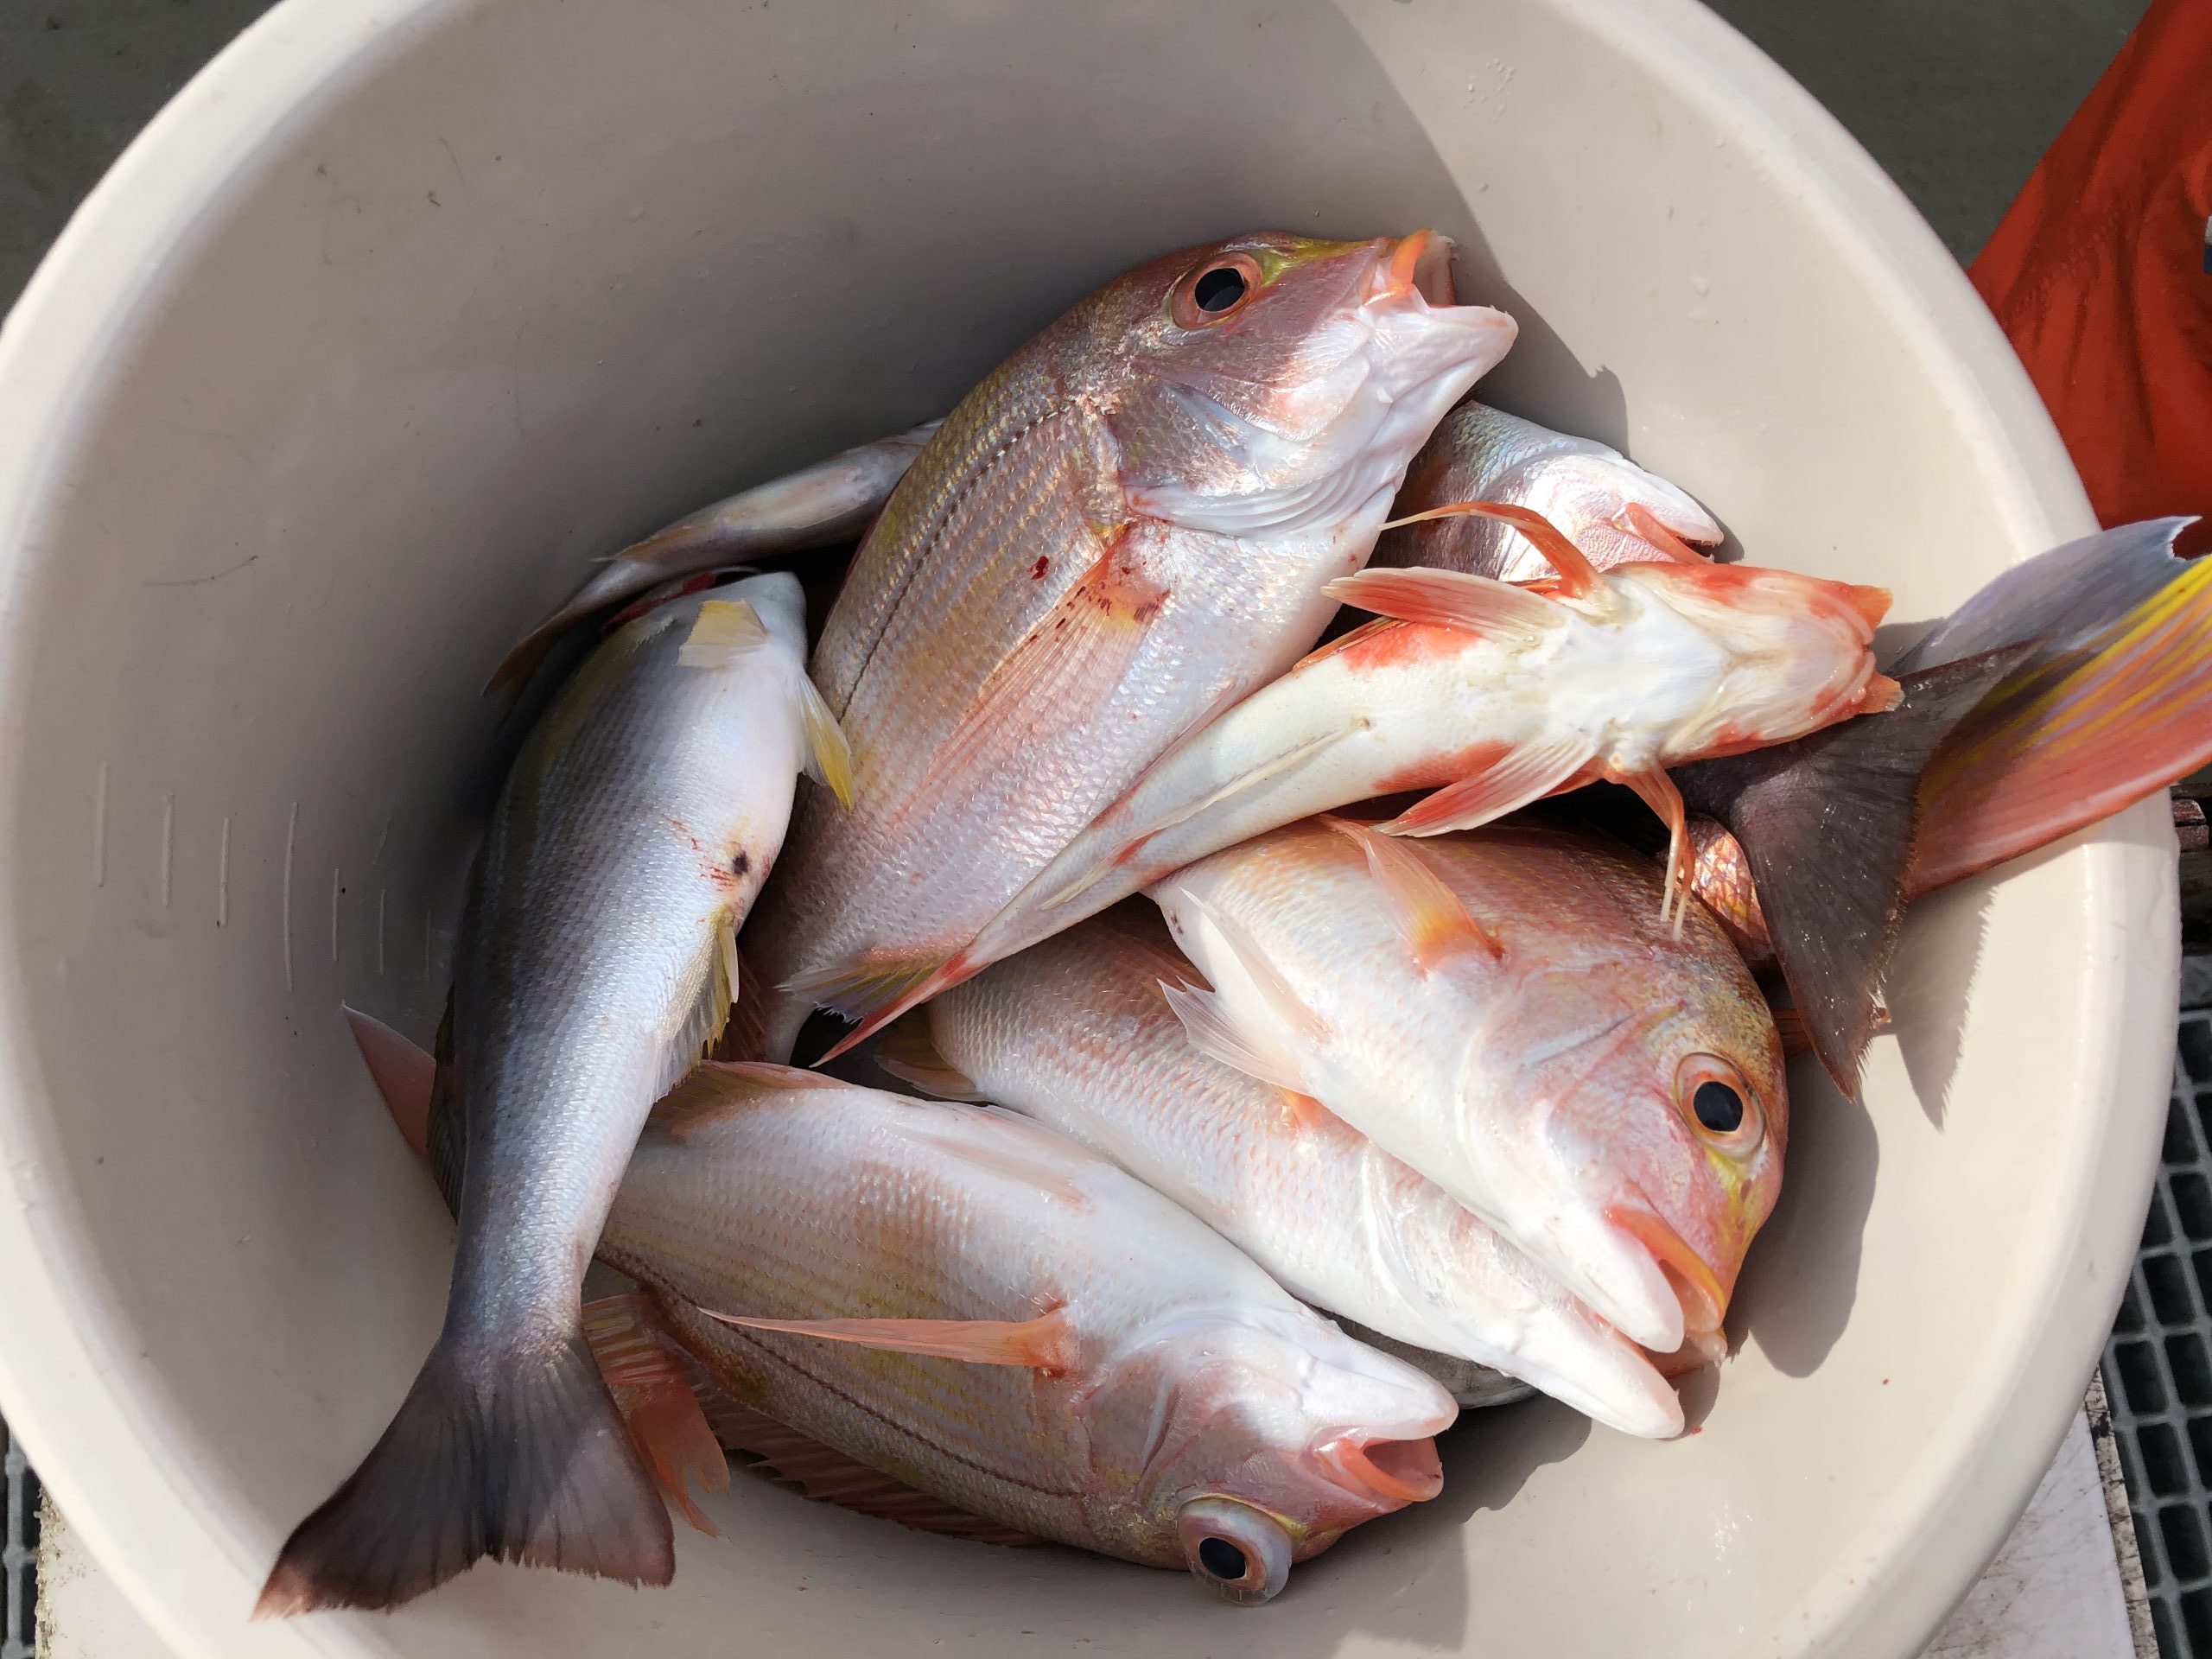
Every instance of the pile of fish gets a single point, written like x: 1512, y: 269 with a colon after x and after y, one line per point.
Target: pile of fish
x: 1265, y: 1119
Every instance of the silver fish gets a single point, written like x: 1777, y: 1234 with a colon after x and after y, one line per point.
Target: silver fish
x: 595, y: 962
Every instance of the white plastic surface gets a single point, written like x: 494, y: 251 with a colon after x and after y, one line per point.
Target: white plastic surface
x: 404, y: 310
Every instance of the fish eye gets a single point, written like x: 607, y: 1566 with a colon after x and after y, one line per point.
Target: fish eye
x: 1240, y: 1553
x: 1720, y: 1104
x: 1223, y: 1559
x: 1210, y: 293
x: 1717, y: 1106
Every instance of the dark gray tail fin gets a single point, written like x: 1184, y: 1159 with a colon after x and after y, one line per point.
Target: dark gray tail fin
x: 523, y: 1458
x: 1826, y: 825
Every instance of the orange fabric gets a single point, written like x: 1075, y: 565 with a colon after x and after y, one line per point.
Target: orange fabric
x: 2102, y: 276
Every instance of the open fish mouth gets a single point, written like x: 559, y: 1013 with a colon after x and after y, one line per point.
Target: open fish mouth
x: 1703, y: 1297
x: 1394, y: 1471
x: 1419, y: 264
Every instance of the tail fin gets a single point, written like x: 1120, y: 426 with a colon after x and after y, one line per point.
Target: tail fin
x: 524, y: 1458
x: 2072, y: 736
x: 1826, y: 825
x: 2061, y: 597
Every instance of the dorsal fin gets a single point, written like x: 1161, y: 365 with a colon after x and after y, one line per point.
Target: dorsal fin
x: 724, y: 630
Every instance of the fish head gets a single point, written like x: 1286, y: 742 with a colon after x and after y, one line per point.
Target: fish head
x: 1798, y: 649
x: 1260, y: 1435
x: 1273, y: 383
x: 1652, y: 1117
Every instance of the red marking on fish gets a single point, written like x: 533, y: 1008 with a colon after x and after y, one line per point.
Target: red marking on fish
x: 1393, y: 644
x: 1477, y: 757
x: 1037, y: 571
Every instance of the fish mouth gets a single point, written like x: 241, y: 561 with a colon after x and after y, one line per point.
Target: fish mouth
x: 1700, y: 1350
x: 1704, y: 1298
x: 1419, y: 265
x: 1396, y: 1470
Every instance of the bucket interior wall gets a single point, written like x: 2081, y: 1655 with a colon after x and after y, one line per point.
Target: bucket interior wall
x: 513, y: 287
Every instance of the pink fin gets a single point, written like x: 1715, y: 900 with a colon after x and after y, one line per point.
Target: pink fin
x: 1644, y: 526
x: 1522, y: 776
x: 875, y: 992
x: 1577, y: 575
x: 2057, y: 747
x: 1045, y: 1344
x: 1452, y: 599
x: 1434, y: 923
x: 403, y: 1075
x: 653, y: 1391
x: 828, y: 1476
x: 1659, y: 793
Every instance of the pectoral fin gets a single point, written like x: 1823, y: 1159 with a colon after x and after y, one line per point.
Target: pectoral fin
x: 723, y: 631
x: 1577, y: 575
x: 830, y: 757
x: 1518, y: 778
x: 1429, y: 914
x: 1450, y: 598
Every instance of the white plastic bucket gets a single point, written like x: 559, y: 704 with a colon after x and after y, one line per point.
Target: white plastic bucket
x: 406, y: 308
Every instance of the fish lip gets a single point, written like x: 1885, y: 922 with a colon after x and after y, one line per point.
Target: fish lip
x: 1419, y: 265
x: 1400, y: 1469
x: 1704, y: 1297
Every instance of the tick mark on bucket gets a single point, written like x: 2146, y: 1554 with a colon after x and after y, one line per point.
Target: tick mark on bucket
x: 99, y: 827
x: 169, y: 843
x: 284, y: 903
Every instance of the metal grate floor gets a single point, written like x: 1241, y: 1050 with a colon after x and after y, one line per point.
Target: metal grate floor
x: 2158, y: 1364
x: 19, y: 1558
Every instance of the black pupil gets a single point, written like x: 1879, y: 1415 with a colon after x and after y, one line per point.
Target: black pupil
x: 1221, y: 1559
x: 1219, y: 289
x: 1719, y: 1108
